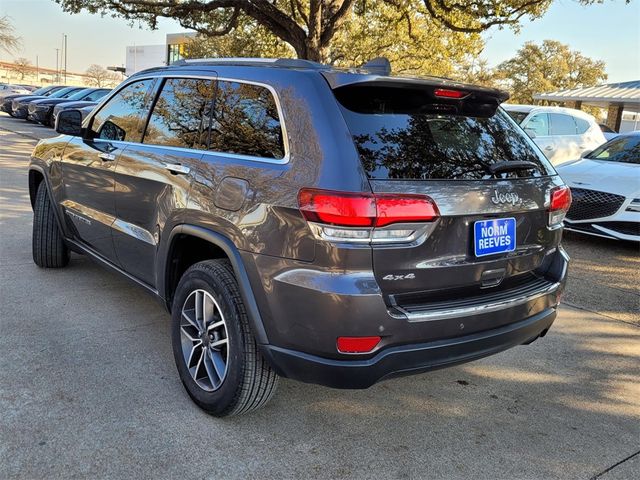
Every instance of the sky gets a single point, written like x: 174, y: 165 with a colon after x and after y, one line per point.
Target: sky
x: 609, y: 32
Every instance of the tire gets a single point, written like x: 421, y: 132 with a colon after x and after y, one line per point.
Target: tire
x: 48, y: 247
x: 247, y: 381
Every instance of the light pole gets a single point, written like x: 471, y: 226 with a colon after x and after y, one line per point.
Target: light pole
x: 57, y: 71
x: 65, y: 57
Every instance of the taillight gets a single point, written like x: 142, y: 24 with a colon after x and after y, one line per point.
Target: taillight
x: 559, y: 203
x: 365, y: 217
x: 448, y: 93
x: 357, y: 344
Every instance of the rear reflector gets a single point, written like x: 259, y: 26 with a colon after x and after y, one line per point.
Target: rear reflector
x: 357, y: 344
x: 364, y: 209
x: 446, y: 93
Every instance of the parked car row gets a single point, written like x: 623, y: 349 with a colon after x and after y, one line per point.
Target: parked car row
x: 11, y: 89
x: 44, y: 104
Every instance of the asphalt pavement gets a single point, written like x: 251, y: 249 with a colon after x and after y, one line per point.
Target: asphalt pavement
x: 88, y: 387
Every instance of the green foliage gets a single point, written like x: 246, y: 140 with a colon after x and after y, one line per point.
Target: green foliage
x: 311, y: 27
x: 548, y: 67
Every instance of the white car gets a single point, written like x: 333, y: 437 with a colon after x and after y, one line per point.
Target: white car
x: 605, y: 186
x: 7, y: 89
x: 562, y: 134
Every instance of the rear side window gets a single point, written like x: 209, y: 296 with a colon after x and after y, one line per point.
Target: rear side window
x: 180, y: 116
x: 119, y: 118
x: 538, y: 124
x: 582, y: 125
x: 246, y: 122
x: 562, y: 124
x: 517, y: 116
x: 396, y: 140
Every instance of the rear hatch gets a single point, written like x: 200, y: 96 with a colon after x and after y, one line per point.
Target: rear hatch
x: 490, y: 183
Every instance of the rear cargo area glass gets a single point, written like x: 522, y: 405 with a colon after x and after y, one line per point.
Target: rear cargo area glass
x: 407, y: 133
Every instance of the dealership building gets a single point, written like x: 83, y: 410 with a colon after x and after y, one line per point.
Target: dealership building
x: 141, y: 57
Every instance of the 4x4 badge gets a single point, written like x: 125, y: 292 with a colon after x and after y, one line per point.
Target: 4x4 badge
x: 509, y: 197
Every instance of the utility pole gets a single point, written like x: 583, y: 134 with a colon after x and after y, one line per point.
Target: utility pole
x: 37, y: 70
x: 57, y: 71
x: 65, y: 58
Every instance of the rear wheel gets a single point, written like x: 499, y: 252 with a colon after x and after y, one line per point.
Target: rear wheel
x: 216, y: 355
x: 48, y: 247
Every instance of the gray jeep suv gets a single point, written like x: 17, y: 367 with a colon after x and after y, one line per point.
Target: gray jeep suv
x: 332, y: 226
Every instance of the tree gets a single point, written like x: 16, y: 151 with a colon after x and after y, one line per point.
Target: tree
x: 9, y: 42
x: 96, y: 76
x: 411, y: 40
x: 548, y: 67
x: 22, y: 65
x: 310, y: 26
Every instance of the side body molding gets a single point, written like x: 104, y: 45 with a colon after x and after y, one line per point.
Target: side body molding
x: 232, y: 252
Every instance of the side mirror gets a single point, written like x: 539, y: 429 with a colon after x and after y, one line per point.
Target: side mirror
x: 69, y: 122
x: 585, y: 153
x: 531, y: 132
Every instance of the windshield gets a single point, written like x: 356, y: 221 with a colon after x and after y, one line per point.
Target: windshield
x: 81, y: 94
x: 41, y: 90
x: 63, y: 92
x: 402, y: 134
x: 620, y: 149
x: 517, y: 116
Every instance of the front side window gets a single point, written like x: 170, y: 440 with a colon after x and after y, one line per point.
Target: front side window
x: 621, y: 149
x: 246, y: 122
x: 180, y: 116
x: 538, y: 124
x: 562, y: 124
x: 119, y: 118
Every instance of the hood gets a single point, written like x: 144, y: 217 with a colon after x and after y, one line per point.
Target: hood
x: 29, y: 98
x: 15, y: 96
x: 612, y: 177
x: 49, y: 101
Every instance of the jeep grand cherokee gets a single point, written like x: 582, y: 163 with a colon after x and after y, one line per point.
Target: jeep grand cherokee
x: 333, y: 226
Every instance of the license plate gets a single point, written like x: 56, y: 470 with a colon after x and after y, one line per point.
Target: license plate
x: 494, y: 236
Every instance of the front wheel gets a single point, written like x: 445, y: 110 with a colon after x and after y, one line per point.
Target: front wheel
x: 215, y: 352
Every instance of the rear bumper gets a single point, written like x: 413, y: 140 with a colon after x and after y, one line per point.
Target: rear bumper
x: 405, y: 359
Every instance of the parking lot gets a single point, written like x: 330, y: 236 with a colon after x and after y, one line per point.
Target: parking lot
x: 88, y: 385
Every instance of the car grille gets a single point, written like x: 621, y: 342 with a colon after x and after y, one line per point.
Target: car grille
x: 31, y: 108
x: 588, y: 204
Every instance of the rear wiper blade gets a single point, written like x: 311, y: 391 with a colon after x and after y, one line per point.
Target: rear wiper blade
x: 512, y: 166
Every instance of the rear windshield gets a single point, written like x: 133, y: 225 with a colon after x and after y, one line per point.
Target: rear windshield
x: 406, y: 134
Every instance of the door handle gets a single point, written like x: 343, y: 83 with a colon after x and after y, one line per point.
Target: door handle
x: 549, y: 148
x: 107, y: 157
x: 176, y: 168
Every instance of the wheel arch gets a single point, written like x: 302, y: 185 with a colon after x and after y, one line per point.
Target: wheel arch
x: 219, y: 246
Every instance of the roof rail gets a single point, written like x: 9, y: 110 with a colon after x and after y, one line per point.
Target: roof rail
x: 276, y: 62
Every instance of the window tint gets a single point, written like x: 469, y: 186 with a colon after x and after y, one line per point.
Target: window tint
x: 245, y: 121
x: 620, y: 149
x: 397, y: 141
x: 180, y: 116
x: 119, y: 118
x: 539, y: 124
x: 562, y: 124
x: 582, y: 125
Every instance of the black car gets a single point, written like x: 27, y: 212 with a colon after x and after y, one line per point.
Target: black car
x: 41, y: 111
x: 19, y: 106
x: 90, y: 101
x: 338, y: 227
x: 43, y: 92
